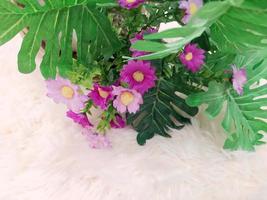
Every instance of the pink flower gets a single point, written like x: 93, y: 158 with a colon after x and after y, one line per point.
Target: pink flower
x: 79, y: 118
x: 239, y: 79
x: 63, y: 91
x: 140, y: 75
x: 127, y: 99
x: 96, y: 141
x: 190, y: 7
x: 140, y: 36
x: 192, y: 57
x: 130, y: 4
x: 101, y: 95
x: 118, y: 122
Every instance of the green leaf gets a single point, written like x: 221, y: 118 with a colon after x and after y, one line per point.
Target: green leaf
x: 234, y: 26
x: 162, y: 110
x: 214, y: 97
x: 241, y: 29
x: 218, y: 62
x: 244, y: 117
x: 56, y: 23
x: 83, y: 75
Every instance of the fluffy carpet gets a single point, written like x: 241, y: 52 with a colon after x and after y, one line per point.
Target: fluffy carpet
x: 43, y: 155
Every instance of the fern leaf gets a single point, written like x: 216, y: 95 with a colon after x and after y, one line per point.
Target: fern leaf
x: 162, y: 110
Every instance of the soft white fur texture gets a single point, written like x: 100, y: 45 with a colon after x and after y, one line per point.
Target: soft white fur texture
x: 43, y: 156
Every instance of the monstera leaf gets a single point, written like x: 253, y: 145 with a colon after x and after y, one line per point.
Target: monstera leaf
x: 56, y: 22
x: 162, y: 110
x: 225, y: 32
x: 224, y: 21
x: 244, y: 118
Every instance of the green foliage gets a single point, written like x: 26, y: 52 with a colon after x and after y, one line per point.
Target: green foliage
x: 216, y: 66
x: 82, y: 75
x: 106, y: 117
x: 242, y: 28
x: 234, y: 26
x: 55, y: 23
x: 162, y: 109
x: 243, y: 121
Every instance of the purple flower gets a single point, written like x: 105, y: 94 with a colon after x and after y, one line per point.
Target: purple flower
x: 239, y: 79
x: 101, y: 95
x: 190, y: 7
x: 140, y: 75
x: 79, y: 118
x: 96, y: 141
x: 63, y: 91
x: 127, y: 99
x: 130, y: 4
x: 118, y: 122
x: 140, y: 36
x: 192, y: 57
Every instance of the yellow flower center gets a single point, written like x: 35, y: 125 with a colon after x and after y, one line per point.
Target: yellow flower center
x: 103, y: 93
x: 67, y: 92
x: 193, y: 8
x: 126, y: 98
x: 189, y: 56
x: 138, y: 76
x: 130, y: 1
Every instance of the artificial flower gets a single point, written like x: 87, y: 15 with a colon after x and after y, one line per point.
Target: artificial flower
x: 140, y: 36
x: 63, y: 91
x: 190, y: 7
x: 118, y: 122
x: 192, y: 57
x: 101, y: 95
x: 239, y: 79
x: 127, y: 99
x: 140, y: 75
x: 79, y: 118
x: 130, y: 4
x: 96, y: 141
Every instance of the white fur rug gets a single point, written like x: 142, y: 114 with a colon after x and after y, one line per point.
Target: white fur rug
x: 43, y: 156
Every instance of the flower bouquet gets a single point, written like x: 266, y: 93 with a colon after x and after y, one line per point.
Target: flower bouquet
x: 112, y: 55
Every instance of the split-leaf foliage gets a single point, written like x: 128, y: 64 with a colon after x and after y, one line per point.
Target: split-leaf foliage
x: 56, y: 23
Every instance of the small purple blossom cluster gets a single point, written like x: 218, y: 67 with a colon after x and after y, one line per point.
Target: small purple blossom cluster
x: 139, y: 77
x: 63, y: 91
x: 136, y: 78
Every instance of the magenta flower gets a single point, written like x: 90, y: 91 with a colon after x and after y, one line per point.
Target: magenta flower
x: 190, y: 7
x: 79, y: 118
x: 130, y: 4
x: 127, y: 99
x: 140, y: 36
x: 140, y: 75
x: 118, y: 122
x: 101, y: 95
x: 192, y: 57
x: 239, y: 79
x: 63, y: 91
x: 96, y: 141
